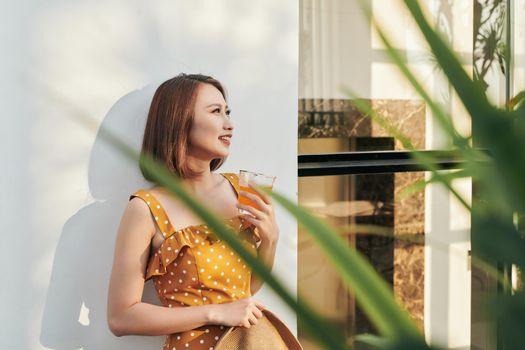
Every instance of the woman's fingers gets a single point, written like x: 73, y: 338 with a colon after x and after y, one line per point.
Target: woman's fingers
x: 253, y: 320
x: 263, y: 195
x: 259, y: 305
x: 259, y: 202
x: 258, y: 313
x: 253, y: 212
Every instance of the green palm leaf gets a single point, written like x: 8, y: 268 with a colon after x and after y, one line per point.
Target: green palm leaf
x: 371, y: 292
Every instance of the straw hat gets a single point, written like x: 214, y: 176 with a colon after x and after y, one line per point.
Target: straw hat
x: 269, y: 333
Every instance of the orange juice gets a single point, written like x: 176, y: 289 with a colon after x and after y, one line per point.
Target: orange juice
x: 247, y: 177
x: 246, y: 201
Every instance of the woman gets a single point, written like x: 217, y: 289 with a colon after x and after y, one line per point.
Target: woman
x: 202, y: 283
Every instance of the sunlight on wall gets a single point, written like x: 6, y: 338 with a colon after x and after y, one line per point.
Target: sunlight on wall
x: 397, y: 23
x: 102, y: 59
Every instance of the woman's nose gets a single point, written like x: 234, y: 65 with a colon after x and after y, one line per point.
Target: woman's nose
x: 229, y: 124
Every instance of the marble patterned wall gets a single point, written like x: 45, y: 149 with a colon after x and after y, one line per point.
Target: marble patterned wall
x: 399, y: 261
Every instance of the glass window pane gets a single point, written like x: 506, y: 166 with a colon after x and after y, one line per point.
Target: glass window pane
x: 518, y: 46
x: 427, y: 264
x: 338, y: 47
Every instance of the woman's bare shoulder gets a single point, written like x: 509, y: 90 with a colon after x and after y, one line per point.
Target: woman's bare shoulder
x: 138, y: 214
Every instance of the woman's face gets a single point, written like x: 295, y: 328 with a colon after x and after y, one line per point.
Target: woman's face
x: 208, y: 138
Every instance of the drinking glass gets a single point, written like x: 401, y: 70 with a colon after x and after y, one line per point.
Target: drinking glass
x: 246, y: 177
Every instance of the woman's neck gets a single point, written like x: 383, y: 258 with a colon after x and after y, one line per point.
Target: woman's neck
x: 200, y: 186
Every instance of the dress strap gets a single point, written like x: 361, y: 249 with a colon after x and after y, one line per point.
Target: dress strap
x: 156, y: 209
x: 158, y: 212
x: 233, y: 178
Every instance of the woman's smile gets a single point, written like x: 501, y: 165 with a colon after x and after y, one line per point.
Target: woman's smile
x: 225, y: 139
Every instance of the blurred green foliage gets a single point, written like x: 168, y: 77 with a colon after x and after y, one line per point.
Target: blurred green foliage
x: 498, y: 171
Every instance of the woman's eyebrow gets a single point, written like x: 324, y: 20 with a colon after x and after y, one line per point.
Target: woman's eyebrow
x: 216, y: 104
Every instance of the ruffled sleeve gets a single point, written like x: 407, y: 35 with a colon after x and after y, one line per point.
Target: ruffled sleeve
x: 171, y: 246
x: 176, y: 240
x: 170, y: 250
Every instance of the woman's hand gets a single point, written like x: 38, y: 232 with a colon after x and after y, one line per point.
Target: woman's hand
x: 263, y: 217
x: 243, y: 312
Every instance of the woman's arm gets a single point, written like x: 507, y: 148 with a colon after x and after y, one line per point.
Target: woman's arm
x: 265, y: 252
x: 263, y: 218
x: 126, y: 313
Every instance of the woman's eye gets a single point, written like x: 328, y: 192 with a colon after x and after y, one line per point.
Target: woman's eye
x: 218, y: 110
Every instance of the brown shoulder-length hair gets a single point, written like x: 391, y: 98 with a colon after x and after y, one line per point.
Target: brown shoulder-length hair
x: 170, y: 119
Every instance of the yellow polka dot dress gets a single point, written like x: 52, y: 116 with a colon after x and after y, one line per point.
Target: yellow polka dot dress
x: 194, y: 267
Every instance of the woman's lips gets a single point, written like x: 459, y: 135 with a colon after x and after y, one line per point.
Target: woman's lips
x: 225, y: 140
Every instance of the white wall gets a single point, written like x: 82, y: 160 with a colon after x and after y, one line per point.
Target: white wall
x: 64, y: 190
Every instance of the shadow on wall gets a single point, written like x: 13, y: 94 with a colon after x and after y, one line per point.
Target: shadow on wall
x: 75, y: 308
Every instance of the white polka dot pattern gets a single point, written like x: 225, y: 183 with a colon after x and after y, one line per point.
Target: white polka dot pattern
x: 193, y: 267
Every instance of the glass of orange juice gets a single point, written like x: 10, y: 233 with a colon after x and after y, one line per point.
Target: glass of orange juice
x: 246, y: 177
